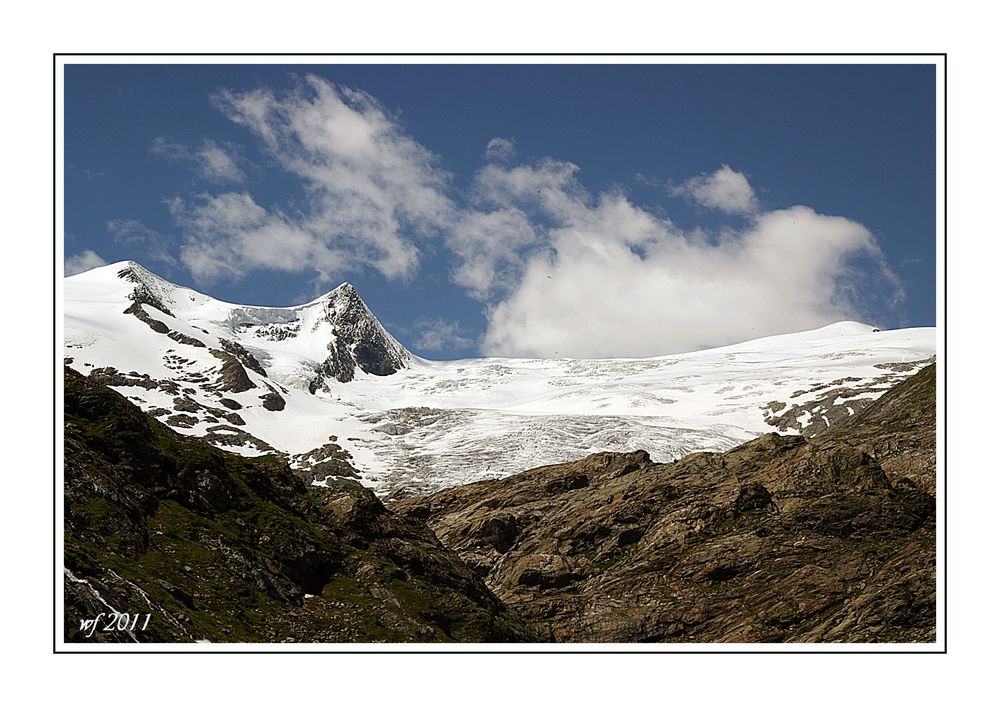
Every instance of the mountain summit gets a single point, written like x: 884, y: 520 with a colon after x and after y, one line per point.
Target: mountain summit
x: 360, y: 341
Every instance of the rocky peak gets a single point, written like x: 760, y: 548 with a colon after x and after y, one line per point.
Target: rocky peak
x: 149, y: 289
x: 360, y: 341
x: 343, y: 289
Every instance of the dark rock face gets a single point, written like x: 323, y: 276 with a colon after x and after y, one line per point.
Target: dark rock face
x: 142, y: 293
x: 323, y: 462
x: 182, y: 421
x: 231, y: 549
x: 228, y: 436
x: 232, y: 377
x: 233, y: 418
x: 752, y: 497
x: 498, y: 532
x: 185, y: 339
x: 272, y: 401
x: 243, y: 356
x: 780, y: 539
x: 111, y: 376
x: 139, y: 313
x: 898, y: 430
x: 185, y: 404
x: 360, y: 341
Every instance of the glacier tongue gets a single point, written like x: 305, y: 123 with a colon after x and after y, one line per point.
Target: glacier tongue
x: 286, y: 379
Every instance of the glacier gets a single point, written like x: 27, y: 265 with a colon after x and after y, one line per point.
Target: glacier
x: 292, y: 380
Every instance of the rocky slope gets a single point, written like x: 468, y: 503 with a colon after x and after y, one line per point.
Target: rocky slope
x: 223, y: 548
x: 827, y: 539
x: 899, y: 431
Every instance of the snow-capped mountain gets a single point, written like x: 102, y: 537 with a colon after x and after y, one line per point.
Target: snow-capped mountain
x: 324, y: 382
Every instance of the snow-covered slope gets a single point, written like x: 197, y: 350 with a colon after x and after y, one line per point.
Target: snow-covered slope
x: 256, y: 379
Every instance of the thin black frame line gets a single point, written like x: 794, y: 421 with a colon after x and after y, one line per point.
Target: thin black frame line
x: 944, y: 420
x: 55, y: 360
x: 944, y: 369
x: 406, y: 54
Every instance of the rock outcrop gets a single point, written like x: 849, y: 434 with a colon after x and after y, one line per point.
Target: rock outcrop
x: 899, y: 431
x: 360, y: 342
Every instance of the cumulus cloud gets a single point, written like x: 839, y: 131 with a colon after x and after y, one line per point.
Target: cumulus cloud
x: 372, y: 193
x: 440, y: 335
x: 604, y: 277
x: 212, y: 161
x: 81, y: 262
x: 724, y: 189
x: 488, y: 247
x: 229, y: 235
x: 500, y: 149
x: 143, y: 242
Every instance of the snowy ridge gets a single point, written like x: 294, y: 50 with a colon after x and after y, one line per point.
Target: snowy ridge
x: 287, y: 378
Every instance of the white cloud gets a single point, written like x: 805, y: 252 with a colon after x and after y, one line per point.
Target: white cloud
x: 212, y: 161
x: 489, y: 248
x: 218, y: 164
x: 560, y: 270
x: 143, y: 242
x: 229, y: 235
x: 371, y: 192
x: 440, y: 335
x: 81, y: 262
x: 724, y: 189
x: 549, y: 186
x: 500, y: 149
x: 607, y: 278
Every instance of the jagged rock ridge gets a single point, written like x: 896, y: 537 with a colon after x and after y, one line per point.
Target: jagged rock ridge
x: 360, y: 341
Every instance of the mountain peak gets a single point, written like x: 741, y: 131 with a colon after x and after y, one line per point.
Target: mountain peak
x: 354, y: 340
x: 149, y: 288
x: 126, y: 268
x: 344, y: 290
x: 347, y: 295
x: 361, y: 341
x: 130, y: 264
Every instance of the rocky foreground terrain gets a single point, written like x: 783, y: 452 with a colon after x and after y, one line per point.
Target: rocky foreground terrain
x: 830, y: 539
x: 780, y: 539
x: 223, y: 548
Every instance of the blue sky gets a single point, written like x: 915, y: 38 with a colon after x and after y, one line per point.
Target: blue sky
x: 519, y: 210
